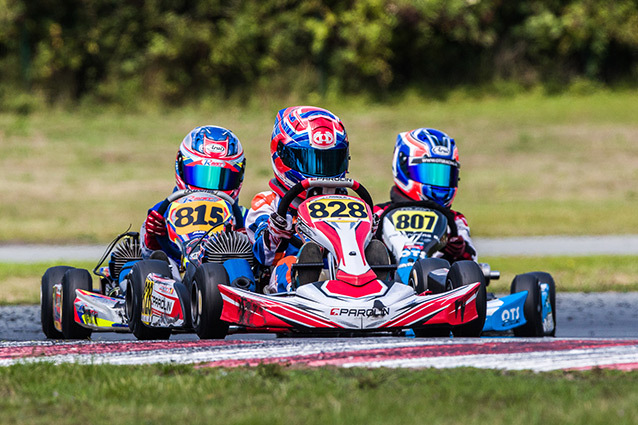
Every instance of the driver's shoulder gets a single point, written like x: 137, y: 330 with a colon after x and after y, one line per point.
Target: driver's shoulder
x: 261, y: 199
x: 460, y: 218
x: 379, y: 208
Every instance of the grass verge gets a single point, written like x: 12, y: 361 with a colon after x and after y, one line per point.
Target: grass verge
x: 530, y: 164
x: 274, y: 394
x: 20, y: 282
x: 572, y: 274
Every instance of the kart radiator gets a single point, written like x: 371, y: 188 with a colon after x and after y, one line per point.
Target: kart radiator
x: 223, y: 246
x: 128, y: 249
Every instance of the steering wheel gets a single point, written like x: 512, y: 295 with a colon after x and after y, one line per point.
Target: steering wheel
x: 306, y: 184
x: 454, y: 231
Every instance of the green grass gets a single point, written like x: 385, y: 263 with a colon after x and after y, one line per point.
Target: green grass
x: 272, y: 394
x: 531, y: 164
x: 21, y: 282
x: 572, y: 274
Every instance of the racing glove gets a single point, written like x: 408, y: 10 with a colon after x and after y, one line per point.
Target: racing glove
x: 279, y: 228
x: 455, y: 247
x: 155, y: 226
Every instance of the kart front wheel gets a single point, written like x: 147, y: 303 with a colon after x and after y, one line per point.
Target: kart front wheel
x: 539, y: 311
x: 419, y: 275
x: 72, y: 280
x: 51, y: 277
x: 206, y: 301
x: 135, y: 294
x: 463, y: 273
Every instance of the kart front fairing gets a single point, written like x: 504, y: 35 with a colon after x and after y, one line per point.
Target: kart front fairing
x: 162, y: 306
x: 100, y: 312
x: 352, y: 298
x: 324, y: 307
x: 506, y: 312
x: 93, y: 310
x: 342, y: 225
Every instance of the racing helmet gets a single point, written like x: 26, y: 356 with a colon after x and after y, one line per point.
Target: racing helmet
x: 308, y: 142
x: 210, y: 158
x: 425, y: 165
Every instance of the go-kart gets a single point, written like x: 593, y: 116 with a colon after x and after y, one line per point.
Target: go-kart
x: 71, y: 309
x: 148, y: 297
x: 415, y: 230
x: 346, y: 295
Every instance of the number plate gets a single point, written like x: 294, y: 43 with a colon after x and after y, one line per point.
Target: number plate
x: 198, y: 216
x: 344, y: 210
x: 415, y: 221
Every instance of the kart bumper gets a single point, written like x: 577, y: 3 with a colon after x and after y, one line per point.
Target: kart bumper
x: 308, y: 310
x: 505, y: 313
x: 99, y: 312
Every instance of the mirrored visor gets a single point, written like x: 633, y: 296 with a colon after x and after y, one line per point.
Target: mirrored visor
x: 212, y: 178
x: 434, y: 173
x: 316, y: 162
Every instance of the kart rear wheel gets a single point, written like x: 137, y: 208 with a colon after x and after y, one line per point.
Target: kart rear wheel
x: 206, y: 301
x: 74, y: 279
x: 135, y: 294
x: 419, y: 275
x: 533, y: 307
x: 51, y: 277
x: 463, y: 273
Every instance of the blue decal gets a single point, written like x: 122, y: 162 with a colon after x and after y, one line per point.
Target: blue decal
x: 509, y: 315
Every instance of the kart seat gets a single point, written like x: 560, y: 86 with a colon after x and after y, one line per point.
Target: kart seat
x: 309, y: 264
x: 159, y: 255
x: 379, y: 259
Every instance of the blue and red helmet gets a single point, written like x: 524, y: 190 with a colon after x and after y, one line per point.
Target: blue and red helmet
x: 426, y: 165
x: 308, y: 142
x: 210, y: 158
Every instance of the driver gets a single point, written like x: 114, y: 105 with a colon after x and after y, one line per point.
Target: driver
x: 210, y: 158
x: 306, y: 142
x: 425, y: 166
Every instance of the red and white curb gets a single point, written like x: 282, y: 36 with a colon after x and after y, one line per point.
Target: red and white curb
x: 487, y: 353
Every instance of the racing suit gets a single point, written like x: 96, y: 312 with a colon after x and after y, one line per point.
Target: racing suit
x: 468, y: 252
x: 270, y: 251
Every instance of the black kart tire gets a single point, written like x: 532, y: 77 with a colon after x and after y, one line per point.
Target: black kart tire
x: 463, y: 273
x: 51, y: 277
x: 545, y: 277
x: 206, y: 301
x: 74, y: 279
x: 419, y: 281
x: 419, y: 274
x: 134, y: 295
x: 532, y: 309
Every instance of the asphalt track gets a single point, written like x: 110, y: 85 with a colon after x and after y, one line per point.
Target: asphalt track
x: 593, y: 330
